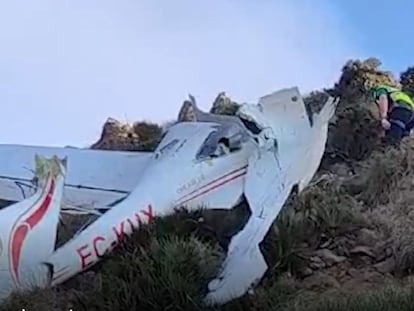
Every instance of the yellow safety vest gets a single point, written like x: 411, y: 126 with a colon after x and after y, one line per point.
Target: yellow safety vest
x: 397, y: 95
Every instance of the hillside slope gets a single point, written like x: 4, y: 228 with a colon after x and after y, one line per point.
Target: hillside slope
x: 351, y: 229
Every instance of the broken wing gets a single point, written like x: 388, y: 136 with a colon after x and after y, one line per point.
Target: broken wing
x: 95, y: 177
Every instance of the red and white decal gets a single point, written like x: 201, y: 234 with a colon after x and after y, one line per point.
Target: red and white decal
x: 25, y: 223
x: 212, y: 185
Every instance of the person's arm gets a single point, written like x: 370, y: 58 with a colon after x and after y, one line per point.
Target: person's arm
x: 383, y: 106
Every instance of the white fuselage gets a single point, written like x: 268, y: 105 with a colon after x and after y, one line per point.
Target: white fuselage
x: 197, y: 164
x: 172, y: 178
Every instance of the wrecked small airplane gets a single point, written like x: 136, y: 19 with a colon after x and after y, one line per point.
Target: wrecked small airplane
x: 214, y: 161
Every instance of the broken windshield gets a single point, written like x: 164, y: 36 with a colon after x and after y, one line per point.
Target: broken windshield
x: 222, y: 140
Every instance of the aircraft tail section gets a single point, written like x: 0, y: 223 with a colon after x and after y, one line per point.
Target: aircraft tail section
x: 28, y: 229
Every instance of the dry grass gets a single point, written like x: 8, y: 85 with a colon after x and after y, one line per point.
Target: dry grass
x: 166, y: 266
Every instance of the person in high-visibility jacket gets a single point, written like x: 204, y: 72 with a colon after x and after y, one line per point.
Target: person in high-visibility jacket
x: 396, y: 110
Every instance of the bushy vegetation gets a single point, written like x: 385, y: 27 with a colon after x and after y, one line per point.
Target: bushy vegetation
x: 344, y: 243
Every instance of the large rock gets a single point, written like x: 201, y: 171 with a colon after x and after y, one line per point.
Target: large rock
x: 117, y: 136
x: 186, y: 113
x: 224, y: 105
x: 140, y: 136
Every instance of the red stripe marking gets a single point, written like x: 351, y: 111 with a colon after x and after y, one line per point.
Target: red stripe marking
x: 21, y: 231
x: 61, y: 269
x: 212, y: 188
x: 212, y: 182
x: 62, y: 273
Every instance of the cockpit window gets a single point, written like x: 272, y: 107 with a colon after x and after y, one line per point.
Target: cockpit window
x: 223, y: 140
x: 209, y: 145
x: 166, y: 148
x: 169, y: 145
x: 251, y: 126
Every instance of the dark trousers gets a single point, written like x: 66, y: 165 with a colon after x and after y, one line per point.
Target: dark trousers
x: 402, y: 121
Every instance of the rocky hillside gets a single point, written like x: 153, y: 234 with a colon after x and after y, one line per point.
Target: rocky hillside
x: 351, y: 229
